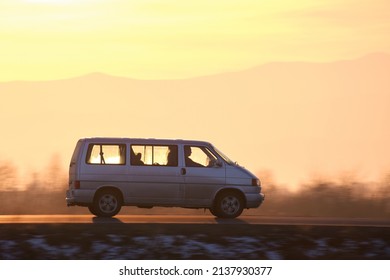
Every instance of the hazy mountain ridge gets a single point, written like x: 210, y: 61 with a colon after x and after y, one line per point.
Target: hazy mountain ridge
x: 292, y: 118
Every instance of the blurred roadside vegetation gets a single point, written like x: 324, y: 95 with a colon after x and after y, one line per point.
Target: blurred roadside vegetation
x: 44, y: 193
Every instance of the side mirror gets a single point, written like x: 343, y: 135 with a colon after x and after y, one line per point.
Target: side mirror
x: 218, y: 163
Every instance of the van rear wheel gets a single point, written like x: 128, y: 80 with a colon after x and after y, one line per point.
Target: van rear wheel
x: 107, y: 203
x: 228, y: 205
x: 213, y: 211
x: 91, y: 209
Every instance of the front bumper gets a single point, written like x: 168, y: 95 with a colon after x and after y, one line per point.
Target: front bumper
x: 254, y: 200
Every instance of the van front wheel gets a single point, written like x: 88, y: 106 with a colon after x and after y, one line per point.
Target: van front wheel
x: 106, y: 204
x: 228, y: 205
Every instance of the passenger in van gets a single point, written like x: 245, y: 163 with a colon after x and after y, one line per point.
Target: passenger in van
x: 136, y: 158
x: 172, y: 156
x: 190, y: 162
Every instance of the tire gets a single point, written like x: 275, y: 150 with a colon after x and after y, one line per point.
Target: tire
x: 229, y: 205
x: 213, y: 211
x: 107, y: 203
x: 91, y: 209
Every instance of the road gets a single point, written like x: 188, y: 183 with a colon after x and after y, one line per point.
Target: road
x: 191, y: 237
x: 191, y: 219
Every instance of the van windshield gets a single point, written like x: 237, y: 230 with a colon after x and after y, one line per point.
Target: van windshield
x: 225, y: 158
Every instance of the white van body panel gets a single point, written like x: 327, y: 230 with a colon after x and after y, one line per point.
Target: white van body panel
x: 121, y: 180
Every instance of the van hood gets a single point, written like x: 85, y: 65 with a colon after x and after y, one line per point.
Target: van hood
x: 237, y: 171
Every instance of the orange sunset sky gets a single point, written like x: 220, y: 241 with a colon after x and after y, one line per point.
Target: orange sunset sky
x: 323, y: 117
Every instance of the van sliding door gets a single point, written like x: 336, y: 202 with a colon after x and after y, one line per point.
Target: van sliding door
x: 154, y: 175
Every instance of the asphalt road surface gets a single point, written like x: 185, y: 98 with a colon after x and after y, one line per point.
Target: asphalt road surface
x: 191, y: 219
x: 127, y: 237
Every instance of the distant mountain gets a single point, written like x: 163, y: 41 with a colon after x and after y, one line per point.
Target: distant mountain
x: 295, y: 119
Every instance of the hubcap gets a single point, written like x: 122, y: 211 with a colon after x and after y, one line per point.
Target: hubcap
x: 230, y: 205
x: 108, y: 203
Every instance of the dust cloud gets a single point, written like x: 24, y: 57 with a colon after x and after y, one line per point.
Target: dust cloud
x: 44, y: 193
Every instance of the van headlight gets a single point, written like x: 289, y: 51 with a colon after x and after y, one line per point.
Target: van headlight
x: 256, y: 182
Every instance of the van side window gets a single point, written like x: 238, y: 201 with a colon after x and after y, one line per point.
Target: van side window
x: 106, y: 154
x: 195, y: 156
x: 155, y: 155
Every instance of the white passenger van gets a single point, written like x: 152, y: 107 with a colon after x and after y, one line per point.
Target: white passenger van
x: 108, y: 173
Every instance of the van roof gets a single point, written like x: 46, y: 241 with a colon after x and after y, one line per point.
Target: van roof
x: 144, y: 140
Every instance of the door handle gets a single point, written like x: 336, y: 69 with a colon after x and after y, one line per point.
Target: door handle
x: 183, y: 171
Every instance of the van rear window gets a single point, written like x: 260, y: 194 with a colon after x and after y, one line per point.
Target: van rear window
x: 106, y: 154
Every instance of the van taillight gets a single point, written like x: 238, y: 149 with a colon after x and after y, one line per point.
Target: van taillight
x: 76, y: 184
